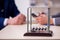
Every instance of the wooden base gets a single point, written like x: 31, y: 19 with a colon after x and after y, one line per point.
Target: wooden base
x: 48, y: 34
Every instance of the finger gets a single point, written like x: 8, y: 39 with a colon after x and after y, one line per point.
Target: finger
x: 38, y: 18
x: 21, y: 17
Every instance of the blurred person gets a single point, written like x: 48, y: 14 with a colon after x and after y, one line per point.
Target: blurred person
x: 43, y: 19
x: 8, y: 9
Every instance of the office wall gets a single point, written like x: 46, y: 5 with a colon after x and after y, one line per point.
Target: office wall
x: 53, y: 10
x: 22, y: 5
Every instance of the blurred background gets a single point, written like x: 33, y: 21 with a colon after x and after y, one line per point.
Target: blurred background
x: 35, y: 4
x: 24, y: 4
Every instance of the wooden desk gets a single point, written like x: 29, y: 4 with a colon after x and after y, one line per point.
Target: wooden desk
x: 17, y: 32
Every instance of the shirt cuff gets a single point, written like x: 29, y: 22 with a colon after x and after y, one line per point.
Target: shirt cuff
x: 54, y: 21
x: 5, y: 21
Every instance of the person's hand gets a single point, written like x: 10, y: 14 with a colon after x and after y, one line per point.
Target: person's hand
x: 19, y: 19
x: 43, y: 19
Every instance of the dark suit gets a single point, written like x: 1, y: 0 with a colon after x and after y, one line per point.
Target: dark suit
x: 10, y: 9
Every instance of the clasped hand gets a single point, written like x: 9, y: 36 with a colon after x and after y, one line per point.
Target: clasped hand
x: 43, y: 19
x: 19, y: 19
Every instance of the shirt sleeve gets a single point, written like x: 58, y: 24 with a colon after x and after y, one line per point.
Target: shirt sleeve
x: 5, y: 21
x: 57, y: 21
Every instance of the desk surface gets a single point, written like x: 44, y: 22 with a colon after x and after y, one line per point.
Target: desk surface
x: 17, y: 32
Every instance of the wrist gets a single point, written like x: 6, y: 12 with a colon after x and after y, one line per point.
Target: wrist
x: 9, y: 21
x: 51, y: 21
